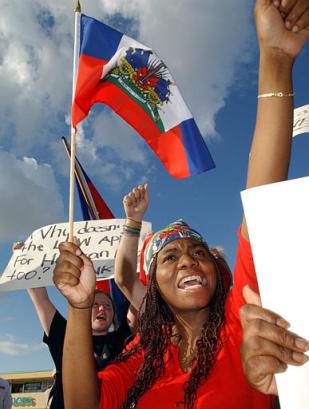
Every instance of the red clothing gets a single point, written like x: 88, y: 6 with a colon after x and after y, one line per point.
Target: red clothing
x: 225, y: 388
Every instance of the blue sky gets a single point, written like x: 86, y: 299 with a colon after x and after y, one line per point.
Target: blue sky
x: 211, y: 51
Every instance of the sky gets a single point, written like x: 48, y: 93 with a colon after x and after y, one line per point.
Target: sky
x: 210, y: 48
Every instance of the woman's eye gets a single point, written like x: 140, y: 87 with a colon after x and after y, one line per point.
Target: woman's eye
x: 170, y: 257
x: 200, y: 253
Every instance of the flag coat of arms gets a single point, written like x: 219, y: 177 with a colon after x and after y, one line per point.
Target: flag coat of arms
x: 130, y: 78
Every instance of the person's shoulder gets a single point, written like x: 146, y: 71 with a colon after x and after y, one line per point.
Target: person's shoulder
x: 4, y: 384
x: 243, y: 243
x: 57, y: 328
x: 124, y: 328
x: 59, y: 317
x: 244, y: 257
x: 122, y: 331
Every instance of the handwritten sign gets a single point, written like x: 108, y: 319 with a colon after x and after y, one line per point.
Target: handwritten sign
x: 301, y: 120
x: 33, y: 264
x: 278, y: 225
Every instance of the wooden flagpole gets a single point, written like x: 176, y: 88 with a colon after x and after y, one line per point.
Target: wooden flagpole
x: 71, y: 198
x: 79, y: 181
x: 77, y: 11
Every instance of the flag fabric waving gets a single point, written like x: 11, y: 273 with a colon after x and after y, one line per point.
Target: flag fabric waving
x: 92, y: 204
x: 131, y: 79
x: 94, y: 207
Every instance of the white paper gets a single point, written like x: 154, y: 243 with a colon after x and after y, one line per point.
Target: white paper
x: 301, y: 120
x: 32, y: 265
x: 278, y: 223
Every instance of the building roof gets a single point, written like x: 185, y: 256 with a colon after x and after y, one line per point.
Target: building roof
x: 28, y: 376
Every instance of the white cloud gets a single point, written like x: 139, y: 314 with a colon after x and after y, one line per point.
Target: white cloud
x: 29, y: 196
x: 11, y: 337
x: 115, y: 134
x: 18, y: 349
x: 112, y: 150
x: 202, y: 43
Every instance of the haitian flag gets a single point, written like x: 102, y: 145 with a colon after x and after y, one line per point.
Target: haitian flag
x: 92, y: 204
x: 94, y: 207
x: 131, y: 79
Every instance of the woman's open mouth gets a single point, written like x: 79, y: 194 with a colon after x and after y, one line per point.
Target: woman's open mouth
x: 192, y: 282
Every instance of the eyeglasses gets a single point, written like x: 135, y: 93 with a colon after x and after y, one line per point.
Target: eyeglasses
x: 105, y: 305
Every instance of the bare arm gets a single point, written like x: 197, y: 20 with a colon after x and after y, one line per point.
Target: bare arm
x: 135, y: 205
x: 74, y: 276
x: 132, y: 318
x: 267, y: 345
x: 78, y: 358
x: 39, y: 296
x: 279, y: 47
x: 43, y: 306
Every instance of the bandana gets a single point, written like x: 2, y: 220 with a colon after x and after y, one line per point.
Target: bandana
x: 174, y: 231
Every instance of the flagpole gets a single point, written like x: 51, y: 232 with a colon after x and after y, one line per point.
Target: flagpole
x: 80, y: 184
x: 77, y: 11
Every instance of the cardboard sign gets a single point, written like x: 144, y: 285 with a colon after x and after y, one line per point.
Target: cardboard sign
x: 301, y: 120
x: 33, y: 264
x: 278, y: 223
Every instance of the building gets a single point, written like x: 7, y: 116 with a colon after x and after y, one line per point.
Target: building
x: 29, y: 389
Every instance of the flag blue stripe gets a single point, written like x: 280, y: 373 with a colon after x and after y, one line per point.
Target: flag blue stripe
x: 83, y: 171
x: 83, y: 204
x: 120, y: 302
x: 198, y: 155
x: 97, y: 39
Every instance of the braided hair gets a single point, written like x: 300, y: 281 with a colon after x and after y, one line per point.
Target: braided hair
x: 154, y: 343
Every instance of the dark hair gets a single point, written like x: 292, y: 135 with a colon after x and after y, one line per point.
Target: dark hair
x: 154, y: 343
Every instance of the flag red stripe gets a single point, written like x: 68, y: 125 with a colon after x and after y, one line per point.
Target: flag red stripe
x: 102, y: 208
x: 167, y: 146
x: 103, y: 285
x: 89, y: 74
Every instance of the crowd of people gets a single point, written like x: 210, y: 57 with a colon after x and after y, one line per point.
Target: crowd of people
x: 202, y: 339
x: 187, y: 349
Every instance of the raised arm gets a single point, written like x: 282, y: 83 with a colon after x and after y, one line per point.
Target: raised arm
x: 135, y: 205
x: 75, y: 277
x: 44, y: 307
x: 282, y: 30
x: 39, y: 296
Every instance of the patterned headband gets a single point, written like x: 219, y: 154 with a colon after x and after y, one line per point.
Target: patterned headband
x: 174, y: 231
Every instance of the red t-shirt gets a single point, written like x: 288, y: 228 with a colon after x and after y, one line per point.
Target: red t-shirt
x: 226, y: 386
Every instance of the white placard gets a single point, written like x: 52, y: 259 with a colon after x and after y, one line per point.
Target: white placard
x: 278, y: 222
x: 33, y: 264
x: 301, y: 120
